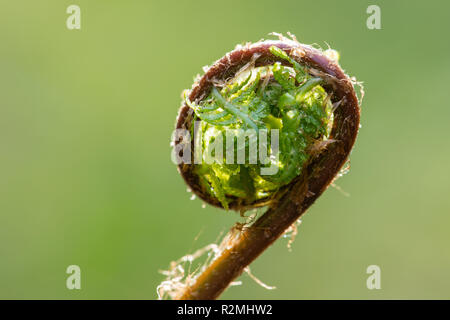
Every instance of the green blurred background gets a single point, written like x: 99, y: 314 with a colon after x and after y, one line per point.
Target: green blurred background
x: 85, y: 172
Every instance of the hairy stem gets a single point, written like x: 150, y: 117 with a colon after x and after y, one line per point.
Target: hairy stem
x: 249, y: 244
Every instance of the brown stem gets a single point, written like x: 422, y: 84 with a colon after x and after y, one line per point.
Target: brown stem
x: 304, y: 190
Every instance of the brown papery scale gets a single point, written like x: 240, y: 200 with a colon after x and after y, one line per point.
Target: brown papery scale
x: 295, y: 198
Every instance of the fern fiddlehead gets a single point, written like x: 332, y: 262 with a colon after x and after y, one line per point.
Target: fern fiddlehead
x: 290, y: 87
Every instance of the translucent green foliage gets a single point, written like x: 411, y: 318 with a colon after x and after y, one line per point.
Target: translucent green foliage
x: 273, y: 97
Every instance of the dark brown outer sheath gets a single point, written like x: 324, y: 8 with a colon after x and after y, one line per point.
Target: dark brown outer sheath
x: 304, y: 190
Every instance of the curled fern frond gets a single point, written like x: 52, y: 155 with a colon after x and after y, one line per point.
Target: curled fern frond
x: 274, y: 97
x: 295, y: 90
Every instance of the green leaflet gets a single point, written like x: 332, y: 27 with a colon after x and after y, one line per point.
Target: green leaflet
x: 299, y: 70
